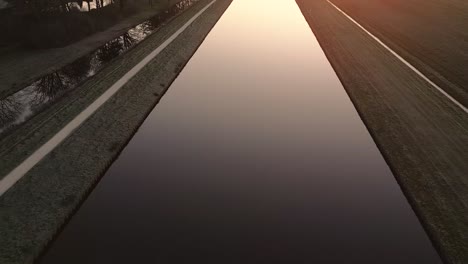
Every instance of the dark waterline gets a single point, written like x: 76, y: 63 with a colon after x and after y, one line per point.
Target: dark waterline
x: 24, y: 104
x: 255, y: 155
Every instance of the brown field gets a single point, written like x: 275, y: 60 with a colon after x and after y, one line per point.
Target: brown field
x: 430, y: 34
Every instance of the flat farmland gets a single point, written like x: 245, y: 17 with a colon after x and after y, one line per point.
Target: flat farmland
x: 430, y: 34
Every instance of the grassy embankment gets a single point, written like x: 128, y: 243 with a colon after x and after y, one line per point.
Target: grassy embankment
x: 430, y: 34
x: 421, y: 134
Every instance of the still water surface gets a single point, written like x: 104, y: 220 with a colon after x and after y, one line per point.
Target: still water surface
x: 254, y: 155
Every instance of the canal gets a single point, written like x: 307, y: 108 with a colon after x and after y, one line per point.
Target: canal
x: 254, y: 155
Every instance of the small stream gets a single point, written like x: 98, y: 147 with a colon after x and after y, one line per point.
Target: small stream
x: 24, y: 104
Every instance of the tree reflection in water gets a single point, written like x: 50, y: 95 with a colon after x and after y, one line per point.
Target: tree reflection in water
x: 22, y: 105
x: 115, y: 47
x: 79, y: 68
x: 10, y: 108
x: 55, y: 84
x: 48, y: 87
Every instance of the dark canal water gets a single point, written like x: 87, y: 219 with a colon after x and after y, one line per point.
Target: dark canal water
x: 254, y: 155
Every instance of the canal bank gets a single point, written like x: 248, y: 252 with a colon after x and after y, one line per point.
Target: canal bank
x: 254, y: 155
x: 422, y: 134
x: 35, y: 208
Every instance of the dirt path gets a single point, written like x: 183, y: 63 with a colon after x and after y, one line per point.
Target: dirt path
x: 422, y: 134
